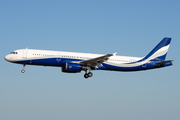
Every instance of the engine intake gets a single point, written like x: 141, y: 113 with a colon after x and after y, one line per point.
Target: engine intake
x: 72, y: 68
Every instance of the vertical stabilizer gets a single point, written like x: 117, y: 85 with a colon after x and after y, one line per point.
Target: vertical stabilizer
x: 160, y: 51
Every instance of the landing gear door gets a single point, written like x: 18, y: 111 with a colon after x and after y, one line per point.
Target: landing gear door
x: 24, y: 53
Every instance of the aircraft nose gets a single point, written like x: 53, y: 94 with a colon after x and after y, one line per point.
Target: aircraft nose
x: 7, y: 58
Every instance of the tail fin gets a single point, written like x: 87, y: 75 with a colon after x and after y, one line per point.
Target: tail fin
x: 160, y: 51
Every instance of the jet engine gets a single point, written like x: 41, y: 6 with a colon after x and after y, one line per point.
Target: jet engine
x: 72, y: 68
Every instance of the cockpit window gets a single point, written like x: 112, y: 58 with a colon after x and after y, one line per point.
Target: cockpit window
x: 14, y: 53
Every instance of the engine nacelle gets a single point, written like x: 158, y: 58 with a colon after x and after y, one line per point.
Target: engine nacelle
x: 72, y: 68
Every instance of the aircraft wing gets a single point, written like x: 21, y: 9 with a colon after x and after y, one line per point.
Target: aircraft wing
x: 96, y: 61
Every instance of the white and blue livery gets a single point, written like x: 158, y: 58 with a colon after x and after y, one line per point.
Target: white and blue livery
x: 73, y: 62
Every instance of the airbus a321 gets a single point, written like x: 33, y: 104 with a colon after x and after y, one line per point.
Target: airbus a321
x: 73, y: 62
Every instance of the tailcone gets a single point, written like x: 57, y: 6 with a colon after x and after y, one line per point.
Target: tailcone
x: 168, y: 64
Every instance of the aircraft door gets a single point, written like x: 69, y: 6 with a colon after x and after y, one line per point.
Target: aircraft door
x: 24, y: 53
x: 58, y: 57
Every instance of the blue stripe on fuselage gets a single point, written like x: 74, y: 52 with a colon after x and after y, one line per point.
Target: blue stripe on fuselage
x: 47, y: 61
x: 137, y: 68
x: 59, y: 62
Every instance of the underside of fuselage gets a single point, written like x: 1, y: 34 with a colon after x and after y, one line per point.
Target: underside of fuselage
x: 57, y: 62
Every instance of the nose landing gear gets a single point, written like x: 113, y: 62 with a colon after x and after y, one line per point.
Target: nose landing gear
x: 23, y: 70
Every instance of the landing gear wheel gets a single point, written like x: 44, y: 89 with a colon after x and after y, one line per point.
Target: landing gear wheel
x: 90, y: 74
x: 86, y: 75
x: 22, y: 70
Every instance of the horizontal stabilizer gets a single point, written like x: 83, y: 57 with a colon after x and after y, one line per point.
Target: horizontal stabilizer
x: 163, y: 64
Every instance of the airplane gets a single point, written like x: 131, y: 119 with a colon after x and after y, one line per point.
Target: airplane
x: 74, y: 62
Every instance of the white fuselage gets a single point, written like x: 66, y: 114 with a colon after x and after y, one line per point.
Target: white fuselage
x: 33, y: 54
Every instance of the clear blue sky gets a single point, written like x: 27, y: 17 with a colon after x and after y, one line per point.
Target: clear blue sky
x: 131, y: 28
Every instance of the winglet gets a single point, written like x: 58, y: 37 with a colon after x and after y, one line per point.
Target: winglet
x: 114, y: 54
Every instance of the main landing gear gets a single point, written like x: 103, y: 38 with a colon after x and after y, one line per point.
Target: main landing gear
x: 89, y: 74
x: 23, y: 70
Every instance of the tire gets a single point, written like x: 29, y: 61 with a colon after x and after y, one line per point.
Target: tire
x: 86, y: 75
x: 90, y: 74
x: 22, y: 70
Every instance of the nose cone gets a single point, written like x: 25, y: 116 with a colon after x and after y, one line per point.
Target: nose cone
x: 7, y: 58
